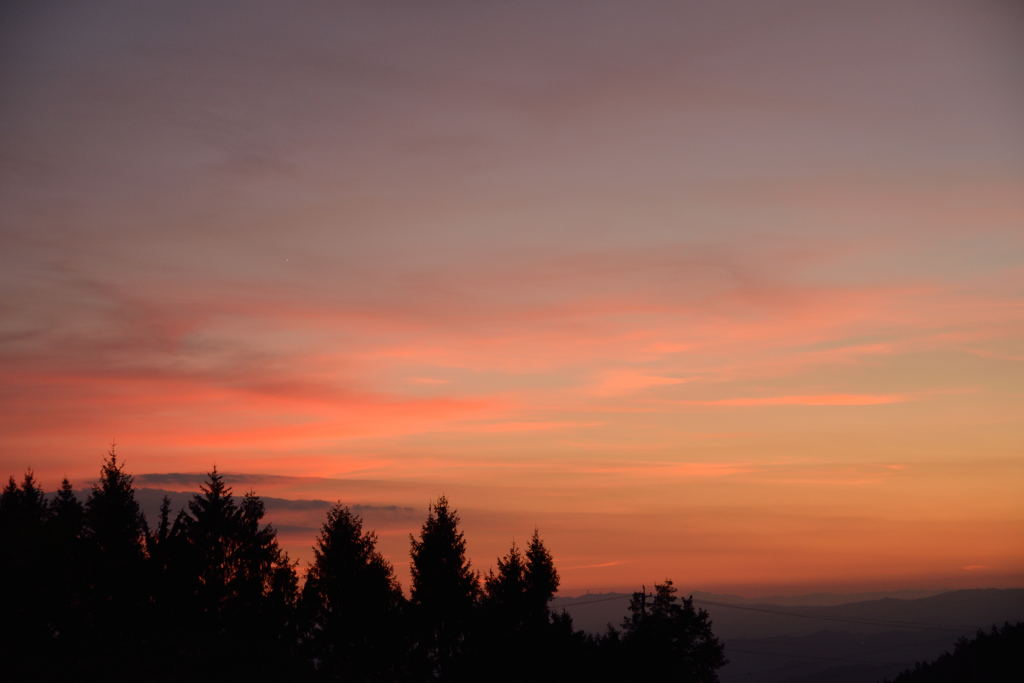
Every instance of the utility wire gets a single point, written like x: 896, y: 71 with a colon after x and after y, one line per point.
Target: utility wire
x: 863, y: 621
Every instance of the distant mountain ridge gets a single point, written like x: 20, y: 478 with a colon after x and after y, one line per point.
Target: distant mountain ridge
x: 741, y: 617
x: 854, y: 642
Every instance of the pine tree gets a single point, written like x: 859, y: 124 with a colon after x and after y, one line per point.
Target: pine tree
x: 499, y: 630
x: 113, y: 518
x: 9, y: 499
x: 541, y: 579
x: 117, y: 601
x: 444, y: 591
x: 68, y: 588
x: 24, y: 571
x: 23, y: 512
x: 671, y: 640
x: 211, y: 527
x: 244, y: 585
x: 505, y: 592
x: 67, y: 515
x: 352, y: 603
x: 517, y: 626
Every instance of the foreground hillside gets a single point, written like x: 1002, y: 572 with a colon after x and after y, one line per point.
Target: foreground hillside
x: 990, y: 657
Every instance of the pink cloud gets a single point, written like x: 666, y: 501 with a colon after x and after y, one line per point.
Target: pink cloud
x: 599, y: 565
x: 806, y: 400
x: 625, y: 381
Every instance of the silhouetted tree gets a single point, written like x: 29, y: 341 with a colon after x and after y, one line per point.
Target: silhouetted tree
x: 244, y: 587
x: 178, y: 625
x: 990, y: 657
x: 267, y: 589
x: 68, y: 586
x: 209, y: 594
x: 24, y: 573
x: 444, y: 592
x: 669, y: 640
x: 499, y: 633
x: 116, y: 602
x: 113, y: 519
x: 352, y: 604
x: 66, y: 515
x: 163, y: 528
x: 517, y: 626
x: 506, y: 591
x: 541, y: 579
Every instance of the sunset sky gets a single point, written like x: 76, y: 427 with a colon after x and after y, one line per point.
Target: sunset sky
x: 728, y: 292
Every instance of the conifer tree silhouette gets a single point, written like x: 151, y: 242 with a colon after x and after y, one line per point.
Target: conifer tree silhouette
x: 67, y: 587
x: 116, y: 603
x: 444, y: 592
x: 499, y: 632
x: 177, y: 622
x: 352, y: 604
x: 541, y: 579
x: 66, y: 515
x: 114, y: 520
x: 24, y: 572
x: 505, y: 593
x: 516, y: 625
x: 243, y: 583
x: 670, y: 640
x: 211, y: 594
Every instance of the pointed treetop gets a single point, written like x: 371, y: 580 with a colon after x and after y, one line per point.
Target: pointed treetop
x: 113, y: 515
x: 541, y: 576
x: 66, y: 498
x: 441, y: 572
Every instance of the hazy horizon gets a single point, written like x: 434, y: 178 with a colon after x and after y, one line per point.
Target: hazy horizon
x: 298, y: 520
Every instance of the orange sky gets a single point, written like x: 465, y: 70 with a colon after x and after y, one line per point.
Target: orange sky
x: 728, y: 294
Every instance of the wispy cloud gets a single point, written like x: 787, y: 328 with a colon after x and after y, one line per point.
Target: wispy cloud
x: 806, y: 400
x: 598, y: 565
x: 627, y: 381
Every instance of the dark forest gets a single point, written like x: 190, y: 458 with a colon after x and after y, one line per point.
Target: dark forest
x: 97, y: 593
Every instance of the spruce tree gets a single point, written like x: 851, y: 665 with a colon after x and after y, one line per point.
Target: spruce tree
x: 114, y: 520
x: 444, y: 591
x: 541, y: 579
x: 505, y: 592
x: 67, y: 515
x: 116, y: 605
x: 68, y: 585
x: 244, y: 585
x: 352, y: 603
x: 517, y: 625
x: 24, y: 572
x: 499, y: 631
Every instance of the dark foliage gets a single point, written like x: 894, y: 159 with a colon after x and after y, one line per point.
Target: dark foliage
x: 239, y: 584
x: 25, y: 566
x: 668, y: 639
x: 989, y: 657
x: 92, y: 593
x: 352, y: 606
x: 444, y: 593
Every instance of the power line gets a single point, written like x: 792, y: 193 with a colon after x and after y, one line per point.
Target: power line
x: 863, y: 621
x: 594, y: 602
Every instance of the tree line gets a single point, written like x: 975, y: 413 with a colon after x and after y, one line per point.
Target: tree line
x: 92, y: 592
x: 989, y: 657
